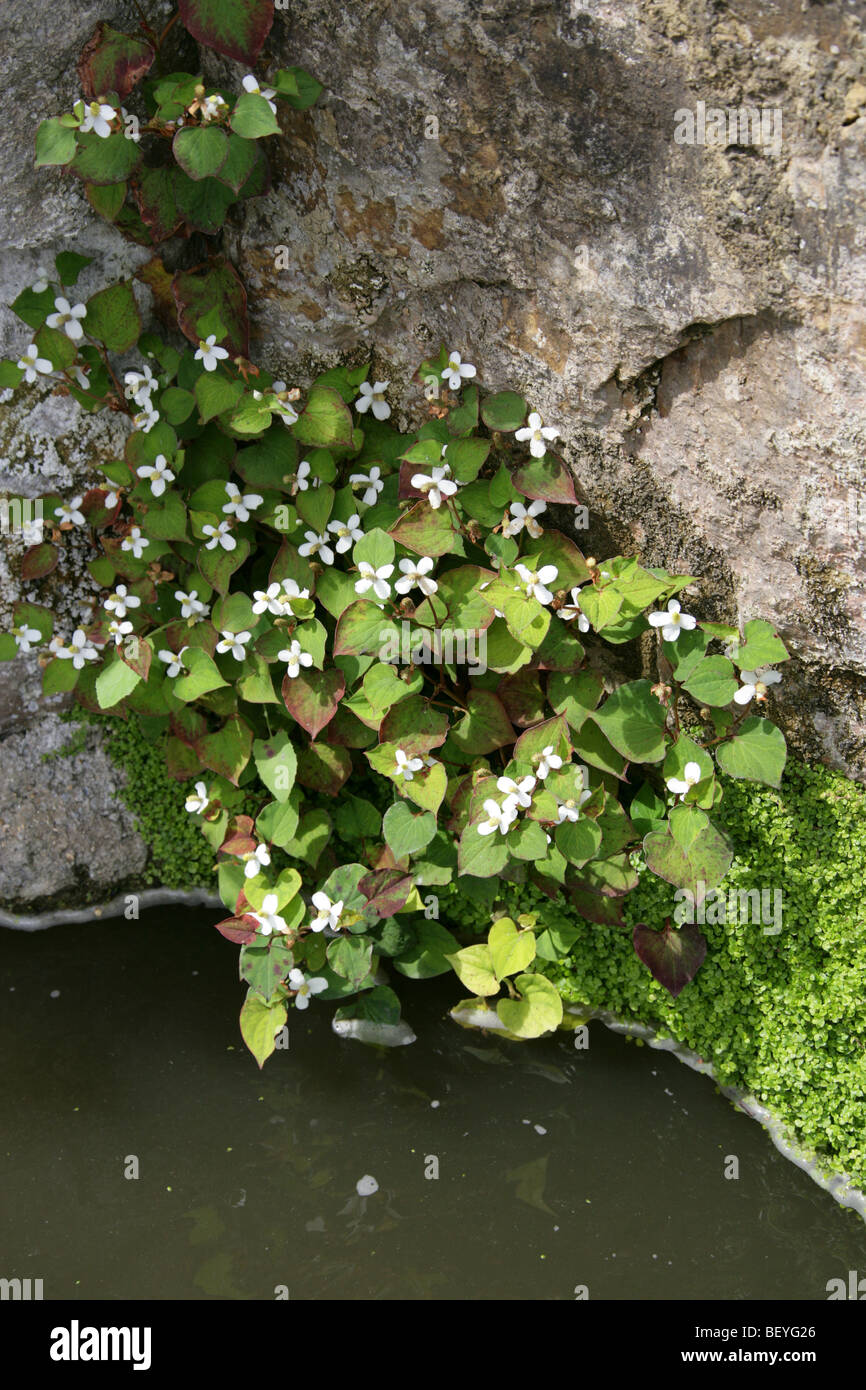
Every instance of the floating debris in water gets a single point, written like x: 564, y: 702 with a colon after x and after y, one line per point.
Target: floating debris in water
x: 366, y: 1186
x: 364, y: 1030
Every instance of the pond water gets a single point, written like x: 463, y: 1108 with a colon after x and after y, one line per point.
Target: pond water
x: 557, y: 1168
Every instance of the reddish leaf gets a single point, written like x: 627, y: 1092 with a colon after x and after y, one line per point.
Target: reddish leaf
x: 235, y: 28
x: 386, y: 890
x: 215, y: 286
x: 545, y: 480
x: 240, y: 930
x: 407, y: 473
x: 415, y: 726
x: 112, y: 62
x: 673, y: 955
x: 158, y: 280
x: 595, y: 907
x: 188, y: 724
x: 181, y: 761
x: 94, y: 508
x: 523, y: 697
x: 137, y: 655
x: 312, y: 697
x: 238, y: 845
x: 154, y: 191
x: 324, y: 768
x: 228, y: 751
x: 39, y: 560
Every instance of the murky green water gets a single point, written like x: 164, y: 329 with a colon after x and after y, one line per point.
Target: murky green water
x: 557, y: 1168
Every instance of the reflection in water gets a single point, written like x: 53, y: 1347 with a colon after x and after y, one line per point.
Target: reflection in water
x: 504, y: 1171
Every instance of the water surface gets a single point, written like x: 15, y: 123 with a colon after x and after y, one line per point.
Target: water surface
x: 557, y: 1168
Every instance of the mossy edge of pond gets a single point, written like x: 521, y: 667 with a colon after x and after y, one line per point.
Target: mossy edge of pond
x: 781, y: 1019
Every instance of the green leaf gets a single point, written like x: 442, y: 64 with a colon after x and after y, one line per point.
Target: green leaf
x: 55, y: 143
x: 510, y: 950
x: 298, y: 87
x: 504, y: 411
x: 633, y: 720
x: 425, y: 530
x: 351, y: 957
x: 113, y: 317
x: 575, y: 695
x: 58, y: 677
x: 538, y: 1011
x: 252, y: 117
x: 428, y: 955
x: 110, y: 160
x: 278, y: 821
x: 69, y: 266
x: 578, y: 840
x: 474, y: 968
x: 215, y: 393
x: 756, y: 753
x: 364, y: 627
x: 243, y: 157
x: 713, y: 681
x: 762, y: 647
x: 202, y: 676
x: 235, y: 28
x: 276, y: 764
x: 114, y: 682
x: 264, y: 968
x: 260, y: 1023
x: 203, y: 203
x: 201, y: 151
x: 405, y: 833
x: 325, y: 420
x: 481, y: 856
x: 484, y: 728
x: 690, y: 852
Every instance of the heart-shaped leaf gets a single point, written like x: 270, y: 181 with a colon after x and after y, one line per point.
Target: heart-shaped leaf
x: 312, y: 697
x: 673, y: 956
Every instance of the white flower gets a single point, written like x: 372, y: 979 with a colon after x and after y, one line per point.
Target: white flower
x: 197, y: 802
x: 456, y: 371
x: 415, y: 574
x: 146, y: 418
x: 328, y: 913
x: 97, y: 117
x: 534, y: 582
x: 295, y: 658
x: 550, y: 762
x: 241, y: 504
x: 347, y: 533
x: 269, y: 919
x: 118, y: 602
x: 690, y: 778
x: 524, y: 516
x: 375, y: 579
x: 521, y: 791
x: 373, y: 484
x: 219, y: 535
x: 373, y: 396
x: 500, y: 818
x: 67, y: 317
x: 538, y: 434
x: 317, y: 545
x: 406, y: 766
x: 755, y: 684
x: 569, y: 611
x: 79, y: 649
x: 672, y: 622
x: 302, y: 475
x: 213, y: 107
x: 159, y: 474
x: 191, y: 605
x: 42, y: 281
x: 68, y: 511
x: 255, y: 862
x: 209, y: 354
x: 234, y: 642
x: 32, y: 364
x: 25, y: 637
x: 266, y: 599
x: 283, y: 604
x: 436, y: 485
x: 570, y: 809
x: 250, y: 84
x: 174, y: 662
x: 139, y: 385
x: 135, y: 542
x: 118, y: 631
x: 305, y: 987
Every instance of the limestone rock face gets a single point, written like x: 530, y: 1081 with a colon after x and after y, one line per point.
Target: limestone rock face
x: 517, y: 181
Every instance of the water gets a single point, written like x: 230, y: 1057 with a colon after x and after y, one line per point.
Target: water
x: 248, y: 1180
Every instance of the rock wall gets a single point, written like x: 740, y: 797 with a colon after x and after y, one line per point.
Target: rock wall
x: 507, y: 177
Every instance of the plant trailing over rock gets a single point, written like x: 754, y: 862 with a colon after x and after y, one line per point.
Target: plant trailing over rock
x: 361, y: 644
